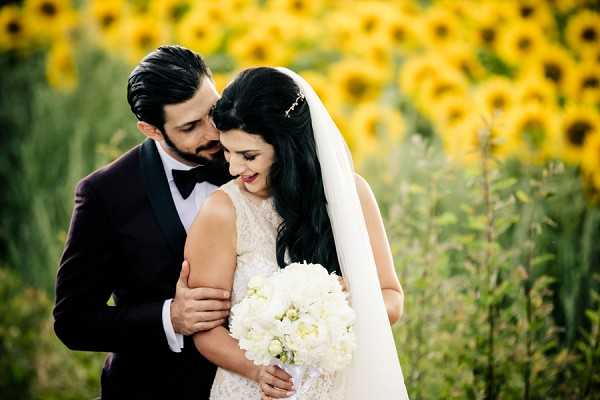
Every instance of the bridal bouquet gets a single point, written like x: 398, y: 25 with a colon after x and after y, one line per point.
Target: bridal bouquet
x: 299, y: 318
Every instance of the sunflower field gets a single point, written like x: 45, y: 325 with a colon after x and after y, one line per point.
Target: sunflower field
x: 477, y: 124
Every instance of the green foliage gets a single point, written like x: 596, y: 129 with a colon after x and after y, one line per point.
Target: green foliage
x: 470, y: 247
x: 53, y: 147
x: 33, y: 363
x: 22, y: 312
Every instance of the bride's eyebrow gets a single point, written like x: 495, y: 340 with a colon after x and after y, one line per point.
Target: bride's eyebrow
x: 242, y: 152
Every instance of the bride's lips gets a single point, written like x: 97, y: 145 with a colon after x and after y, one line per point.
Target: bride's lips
x: 249, y: 179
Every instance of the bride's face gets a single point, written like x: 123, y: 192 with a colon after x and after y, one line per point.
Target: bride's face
x: 250, y: 158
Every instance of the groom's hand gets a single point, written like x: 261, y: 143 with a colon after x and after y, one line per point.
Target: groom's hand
x: 198, y: 309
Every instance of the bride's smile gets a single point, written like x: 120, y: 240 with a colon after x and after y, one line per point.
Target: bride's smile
x: 250, y: 158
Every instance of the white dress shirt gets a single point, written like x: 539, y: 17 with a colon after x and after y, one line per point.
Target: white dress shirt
x: 187, y: 210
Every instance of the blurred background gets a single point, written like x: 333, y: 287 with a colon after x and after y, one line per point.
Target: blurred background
x: 476, y: 122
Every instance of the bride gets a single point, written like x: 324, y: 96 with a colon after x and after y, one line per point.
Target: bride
x: 296, y: 198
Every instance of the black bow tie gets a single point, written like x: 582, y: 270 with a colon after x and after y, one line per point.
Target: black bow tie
x: 186, y: 180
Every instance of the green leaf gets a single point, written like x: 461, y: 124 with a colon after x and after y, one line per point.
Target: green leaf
x: 446, y: 218
x: 544, y: 258
x: 522, y: 196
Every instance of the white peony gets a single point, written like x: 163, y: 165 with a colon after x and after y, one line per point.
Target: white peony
x: 297, y: 316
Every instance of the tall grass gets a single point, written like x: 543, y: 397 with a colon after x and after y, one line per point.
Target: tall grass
x: 57, y: 139
x: 478, y: 255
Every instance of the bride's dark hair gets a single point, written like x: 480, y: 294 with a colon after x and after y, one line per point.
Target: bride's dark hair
x: 256, y: 102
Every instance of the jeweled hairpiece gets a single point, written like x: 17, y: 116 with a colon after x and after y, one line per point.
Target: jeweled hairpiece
x: 293, y: 106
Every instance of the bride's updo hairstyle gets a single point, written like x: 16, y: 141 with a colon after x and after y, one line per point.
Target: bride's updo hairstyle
x: 256, y: 102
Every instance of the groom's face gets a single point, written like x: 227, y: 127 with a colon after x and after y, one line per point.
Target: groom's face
x: 189, y: 134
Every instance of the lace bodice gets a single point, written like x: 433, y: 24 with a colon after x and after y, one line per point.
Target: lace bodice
x: 256, y: 225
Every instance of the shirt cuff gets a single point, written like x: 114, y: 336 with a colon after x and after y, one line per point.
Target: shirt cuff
x: 175, y: 340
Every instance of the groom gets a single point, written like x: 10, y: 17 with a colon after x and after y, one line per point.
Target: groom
x: 127, y: 235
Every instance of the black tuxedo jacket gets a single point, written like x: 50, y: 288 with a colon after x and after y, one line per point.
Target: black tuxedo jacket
x: 126, y: 240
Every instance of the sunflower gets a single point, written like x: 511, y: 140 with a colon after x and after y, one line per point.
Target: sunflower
x: 534, y: 12
x: 107, y: 18
x: 170, y: 11
x: 320, y: 84
x: 377, y: 125
x: 297, y: 8
x: 519, y: 41
x: 460, y: 9
x: 590, y: 161
x: 536, y: 90
x: 578, y: 123
x: 531, y: 133
x: 448, y: 83
x: 258, y: 48
x: 416, y: 71
x: 377, y: 52
x: 237, y: 12
x: 107, y: 13
x: 355, y: 142
x: 370, y: 17
x: 61, y: 70
x: 464, y: 142
x: 356, y: 81
x: 50, y: 19
x: 451, y: 113
x: 584, y: 84
x: 341, y: 32
x: 562, y: 6
x: 591, y: 57
x: 583, y: 31
x: 13, y: 34
x: 283, y: 26
x: 464, y: 58
x: 143, y: 34
x: 440, y: 28
x: 495, y: 97
x: 199, y: 32
x: 399, y: 28
x: 552, y: 63
x: 486, y: 22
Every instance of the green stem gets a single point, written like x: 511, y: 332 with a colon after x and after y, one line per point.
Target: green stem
x: 489, y: 239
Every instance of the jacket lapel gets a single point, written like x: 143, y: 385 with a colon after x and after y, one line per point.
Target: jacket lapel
x: 160, y: 197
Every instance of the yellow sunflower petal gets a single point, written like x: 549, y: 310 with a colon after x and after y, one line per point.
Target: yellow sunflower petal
x: 583, y: 31
x: 13, y: 31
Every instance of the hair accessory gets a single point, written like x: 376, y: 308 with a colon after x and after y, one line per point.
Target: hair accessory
x: 293, y: 106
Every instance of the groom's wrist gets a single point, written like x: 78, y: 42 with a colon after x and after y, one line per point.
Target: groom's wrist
x: 174, y: 340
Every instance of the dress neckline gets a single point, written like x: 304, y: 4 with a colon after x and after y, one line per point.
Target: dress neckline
x: 253, y: 200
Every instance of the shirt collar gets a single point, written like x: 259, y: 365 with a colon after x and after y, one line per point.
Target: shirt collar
x: 169, y: 163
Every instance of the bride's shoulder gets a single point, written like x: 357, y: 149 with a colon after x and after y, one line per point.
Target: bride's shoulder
x: 215, y: 220
x: 218, y: 207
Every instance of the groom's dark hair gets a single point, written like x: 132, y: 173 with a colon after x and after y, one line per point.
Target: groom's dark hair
x: 168, y: 75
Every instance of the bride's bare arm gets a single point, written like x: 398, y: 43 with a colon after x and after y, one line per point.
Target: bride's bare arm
x: 210, y: 250
x: 393, y: 295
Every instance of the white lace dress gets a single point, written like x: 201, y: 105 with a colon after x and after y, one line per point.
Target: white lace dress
x: 256, y: 224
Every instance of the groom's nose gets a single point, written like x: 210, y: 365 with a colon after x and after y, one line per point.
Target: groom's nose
x: 211, y: 132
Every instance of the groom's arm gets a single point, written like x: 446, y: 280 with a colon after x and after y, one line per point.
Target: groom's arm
x: 86, y: 279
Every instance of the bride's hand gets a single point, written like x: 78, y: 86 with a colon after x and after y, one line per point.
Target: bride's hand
x: 274, y: 383
x: 343, y: 284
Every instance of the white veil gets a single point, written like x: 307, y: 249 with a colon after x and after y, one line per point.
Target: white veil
x: 375, y: 372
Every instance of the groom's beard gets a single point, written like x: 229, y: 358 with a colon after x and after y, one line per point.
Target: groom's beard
x: 217, y: 158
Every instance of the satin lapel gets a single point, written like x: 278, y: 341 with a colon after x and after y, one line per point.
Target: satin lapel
x: 160, y: 197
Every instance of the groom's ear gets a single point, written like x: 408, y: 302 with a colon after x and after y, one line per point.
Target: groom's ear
x: 149, y: 130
